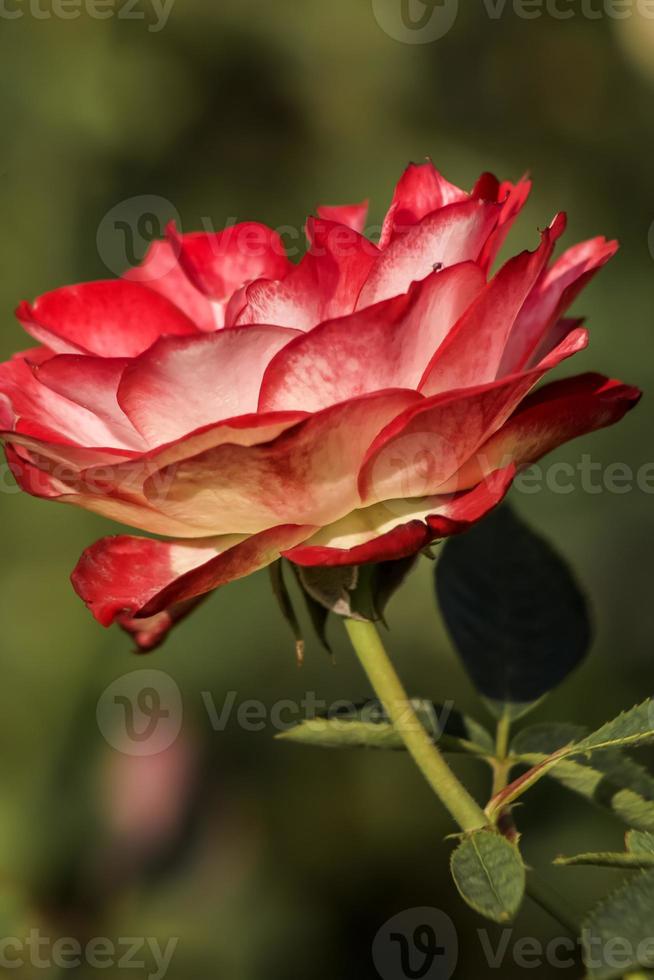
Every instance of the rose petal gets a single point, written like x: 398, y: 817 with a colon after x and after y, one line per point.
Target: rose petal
x: 352, y: 215
x: 550, y: 298
x: 422, y: 448
x: 400, y: 528
x: 420, y: 191
x: 513, y: 198
x: 326, y: 284
x: 556, y: 413
x: 112, y: 318
x: 38, y: 408
x: 455, y: 233
x: 472, y: 352
x: 181, y: 384
x: 383, y: 346
x: 307, y: 475
x: 161, y: 272
x: 219, y: 264
x: 91, y: 382
x: 126, y: 577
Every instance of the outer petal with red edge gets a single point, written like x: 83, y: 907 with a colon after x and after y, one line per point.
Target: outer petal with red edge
x: 420, y: 191
x: 126, y: 578
x: 161, y: 272
x: 112, y: 318
x: 91, y: 382
x: 556, y: 290
x: 114, y: 488
x: 42, y: 411
x: 219, y: 264
x: 400, y: 528
x: 472, y: 352
x: 513, y: 198
x: 453, y: 234
x: 384, y: 346
x: 352, y: 215
x: 183, y: 383
x: 307, y: 475
x: 420, y: 450
x: 556, y: 413
x: 326, y: 283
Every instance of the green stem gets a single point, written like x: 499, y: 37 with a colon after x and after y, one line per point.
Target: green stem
x: 462, y: 806
x: 388, y: 687
x: 501, y: 766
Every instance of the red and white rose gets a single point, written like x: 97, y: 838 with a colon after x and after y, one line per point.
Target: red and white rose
x: 347, y: 409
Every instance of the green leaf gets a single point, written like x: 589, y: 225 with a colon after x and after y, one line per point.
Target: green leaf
x: 490, y: 875
x: 366, y: 725
x: 610, y: 779
x: 514, y: 610
x: 617, y: 935
x: 609, y: 860
x: 640, y: 843
x: 631, y: 728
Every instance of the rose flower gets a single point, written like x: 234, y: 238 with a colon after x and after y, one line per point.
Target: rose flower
x: 351, y: 408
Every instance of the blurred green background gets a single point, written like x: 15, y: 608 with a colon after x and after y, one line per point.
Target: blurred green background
x: 265, y: 860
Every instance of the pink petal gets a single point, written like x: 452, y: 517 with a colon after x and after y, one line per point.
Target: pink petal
x: 352, y: 215
x: 513, y: 198
x: 161, y: 272
x: 421, y: 449
x: 61, y: 483
x: 420, y: 191
x: 181, y: 384
x: 386, y: 532
x: 383, y: 346
x: 113, y: 318
x: 472, y: 352
x: 125, y: 578
x: 41, y: 411
x: 91, y: 382
x: 326, y: 284
x: 455, y: 233
x: 219, y: 264
x: 307, y: 475
x: 552, y: 295
x: 556, y: 413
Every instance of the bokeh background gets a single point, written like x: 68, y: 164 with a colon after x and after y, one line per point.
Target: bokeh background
x: 266, y: 860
